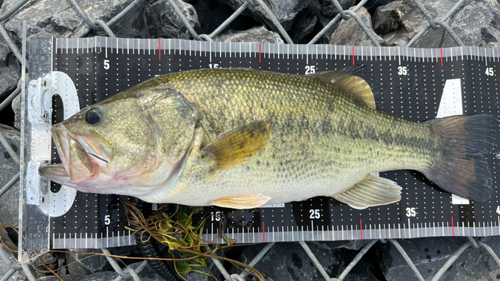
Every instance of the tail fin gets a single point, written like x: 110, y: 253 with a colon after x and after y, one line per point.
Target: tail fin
x: 461, y: 166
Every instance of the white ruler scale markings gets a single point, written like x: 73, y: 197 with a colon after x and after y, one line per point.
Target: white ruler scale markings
x: 271, y: 53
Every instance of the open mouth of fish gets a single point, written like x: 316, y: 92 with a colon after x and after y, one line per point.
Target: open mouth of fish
x: 80, y: 159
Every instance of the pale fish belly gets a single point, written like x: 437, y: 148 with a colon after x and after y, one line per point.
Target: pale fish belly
x: 283, y: 183
x: 291, y: 172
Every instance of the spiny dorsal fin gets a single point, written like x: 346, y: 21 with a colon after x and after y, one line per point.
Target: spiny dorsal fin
x: 350, y: 84
x: 237, y: 146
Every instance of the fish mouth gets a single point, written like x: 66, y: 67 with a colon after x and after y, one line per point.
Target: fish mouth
x: 80, y: 161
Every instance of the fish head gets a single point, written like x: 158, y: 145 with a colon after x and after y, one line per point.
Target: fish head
x: 126, y: 145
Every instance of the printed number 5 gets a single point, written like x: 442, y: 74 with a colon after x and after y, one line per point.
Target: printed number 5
x: 107, y: 219
x: 314, y: 214
x: 106, y: 64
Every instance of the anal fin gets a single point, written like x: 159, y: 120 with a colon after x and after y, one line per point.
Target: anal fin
x: 241, y: 202
x: 371, y: 191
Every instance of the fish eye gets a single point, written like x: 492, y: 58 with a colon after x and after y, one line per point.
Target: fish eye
x: 93, y: 115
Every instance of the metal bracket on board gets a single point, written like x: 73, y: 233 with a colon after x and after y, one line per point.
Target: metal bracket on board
x: 40, y: 93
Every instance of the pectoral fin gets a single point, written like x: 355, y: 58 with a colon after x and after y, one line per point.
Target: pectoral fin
x: 237, y: 146
x: 242, y: 202
x: 371, y: 191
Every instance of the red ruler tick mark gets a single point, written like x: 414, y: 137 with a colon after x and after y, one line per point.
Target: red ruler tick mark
x: 159, y: 48
x: 264, y: 232
x: 352, y: 55
x: 441, y: 50
x: 260, y: 52
x: 452, y: 227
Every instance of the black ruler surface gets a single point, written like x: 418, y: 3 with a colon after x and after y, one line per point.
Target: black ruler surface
x: 415, y: 84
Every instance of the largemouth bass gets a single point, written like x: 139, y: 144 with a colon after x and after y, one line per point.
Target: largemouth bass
x: 242, y: 138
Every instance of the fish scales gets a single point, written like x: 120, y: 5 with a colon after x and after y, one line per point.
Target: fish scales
x: 241, y: 138
x: 311, y: 122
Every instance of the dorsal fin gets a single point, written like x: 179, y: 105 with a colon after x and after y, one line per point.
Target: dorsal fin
x: 351, y: 84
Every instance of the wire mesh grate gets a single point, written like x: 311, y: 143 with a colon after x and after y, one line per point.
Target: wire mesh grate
x: 99, y: 25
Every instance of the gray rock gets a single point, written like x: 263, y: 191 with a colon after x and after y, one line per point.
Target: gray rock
x: 431, y: 39
x: 9, y: 202
x: 350, y: 33
x: 372, y: 5
x: 325, y: 11
x: 9, y: 259
x: 62, y: 269
x: 256, y: 34
x: 289, y: 261
x: 74, y: 267
x: 292, y: 14
x: 329, y: 10
x: 211, y: 13
x: 58, y: 18
x: 100, y: 276
x: 16, y: 107
x: 132, y: 24
x: 475, y: 264
x: 399, y: 21
x: 397, y: 38
x: 388, y: 18
x: 65, y: 21
x: 162, y: 21
x: 17, y: 276
x: 430, y: 254
x: 435, y: 38
x: 146, y: 274
x: 485, y: 32
x: 7, y: 241
x: 51, y: 261
x: 348, y: 244
x: 303, y: 26
x: 82, y: 264
x: 10, y: 70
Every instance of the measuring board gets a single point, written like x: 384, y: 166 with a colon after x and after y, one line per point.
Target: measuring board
x: 415, y: 84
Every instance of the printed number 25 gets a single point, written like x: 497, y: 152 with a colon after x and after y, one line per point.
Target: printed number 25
x: 310, y: 69
x: 314, y: 214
